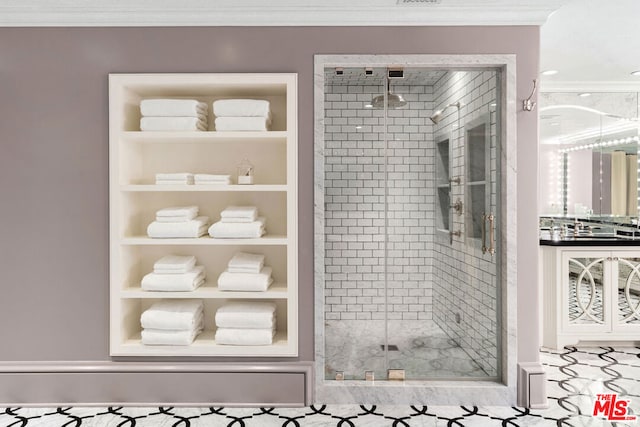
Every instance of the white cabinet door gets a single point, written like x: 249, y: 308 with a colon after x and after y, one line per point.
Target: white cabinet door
x: 585, y: 306
x: 625, y: 292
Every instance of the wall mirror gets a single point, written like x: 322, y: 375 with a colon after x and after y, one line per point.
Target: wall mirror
x: 589, y: 155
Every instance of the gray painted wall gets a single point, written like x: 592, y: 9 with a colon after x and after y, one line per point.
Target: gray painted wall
x: 54, y: 167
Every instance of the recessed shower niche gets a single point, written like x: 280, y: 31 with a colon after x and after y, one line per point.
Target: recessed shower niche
x: 407, y: 175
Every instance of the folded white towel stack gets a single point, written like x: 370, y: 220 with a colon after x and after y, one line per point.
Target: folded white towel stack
x: 226, y: 336
x: 241, y: 108
x: 174, y: 179
x: 173, y: 115
x: 246, y: 323
x: 177, y: 222
x: 238, y: 230
x: 174, y: 282
x: 209, y: 179
x: 259, y: 282
x: 242, y: 115
x: 173, y: 123
x: 246, y: 272
x: 224, y: 124
x: 177, y: 214
x: 245, y: 263
x: 174, y: 230
x: 172, y: 322
x: 172, y: 107
x: 239, y: 214
x: 174, y: 264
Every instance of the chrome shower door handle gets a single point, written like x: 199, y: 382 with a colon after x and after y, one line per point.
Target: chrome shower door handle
x: 484, y: 233
x: 492, y: 236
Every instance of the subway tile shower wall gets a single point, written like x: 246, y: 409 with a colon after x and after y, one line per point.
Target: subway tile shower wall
x: 355, y: 191
x: 465, y: 282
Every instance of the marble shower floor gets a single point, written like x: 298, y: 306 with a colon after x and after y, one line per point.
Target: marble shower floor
x: 574, y: 377
x: 424, y: 350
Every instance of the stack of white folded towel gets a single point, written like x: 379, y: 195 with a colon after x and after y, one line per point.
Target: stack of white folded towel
x: 238, y: 222
x: 246, y: 323
x: 173, y: 115
x: 177, y: 222
x: 174, y: 273
x: 172, y: 322
x: 184, y: 178
x: 245, y: 272
x: 242, y: 115
x: 209, y: 179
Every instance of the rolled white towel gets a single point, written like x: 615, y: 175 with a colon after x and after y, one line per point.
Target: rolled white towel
x: 175, y: 315
x: 162, y: 337
x: 239, y: 230
x: 177, y: 211
x: 224, y: 124
x: 174, y: 264
x: 170, y: 230
x: 243, y: 262
x: 184, y: 282
x: 244, y: 282
x: 173, y: 124
x: 239, y: 212
x: 246, y: 314
x: 173, y: 108
x: 241, y: 108
x: 244, y: 336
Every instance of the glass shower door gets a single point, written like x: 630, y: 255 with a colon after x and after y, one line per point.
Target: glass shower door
x: 354, y: 223
x: 443, y: 234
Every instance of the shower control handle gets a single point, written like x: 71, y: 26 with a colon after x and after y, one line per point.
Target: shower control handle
x: 492, y: 231
x: 457, y: 206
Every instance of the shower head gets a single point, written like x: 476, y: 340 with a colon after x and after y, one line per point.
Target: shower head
x: 393, y: 100
x: 437, y: 115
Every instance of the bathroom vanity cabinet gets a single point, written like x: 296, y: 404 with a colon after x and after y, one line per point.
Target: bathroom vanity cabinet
x: 136, y: 156
x: 590, y: 294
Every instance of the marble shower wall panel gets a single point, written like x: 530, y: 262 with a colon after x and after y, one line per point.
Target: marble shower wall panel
x: 355, y: 204
x: 465, y: 282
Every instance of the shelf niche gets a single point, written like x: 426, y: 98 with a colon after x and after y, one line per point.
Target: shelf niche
x: 136, y: 156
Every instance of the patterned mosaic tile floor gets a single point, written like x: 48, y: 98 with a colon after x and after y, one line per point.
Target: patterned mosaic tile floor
x: 574, y: 376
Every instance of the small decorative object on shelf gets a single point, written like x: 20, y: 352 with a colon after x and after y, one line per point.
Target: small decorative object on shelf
x: 245, y: 172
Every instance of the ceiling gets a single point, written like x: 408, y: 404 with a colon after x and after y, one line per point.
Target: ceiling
x: 593, y: 44
x: 274, y: 12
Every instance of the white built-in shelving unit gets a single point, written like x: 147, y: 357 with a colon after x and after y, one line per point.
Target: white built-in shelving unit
x: 136, y: 156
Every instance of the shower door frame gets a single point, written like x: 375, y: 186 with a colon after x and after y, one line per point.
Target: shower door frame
x: 438, y: 392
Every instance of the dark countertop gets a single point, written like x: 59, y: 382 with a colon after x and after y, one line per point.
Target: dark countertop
x: 591, y: 241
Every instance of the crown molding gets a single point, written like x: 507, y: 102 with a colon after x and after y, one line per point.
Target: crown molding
x: 65, y: 13
x: 590, y: 86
